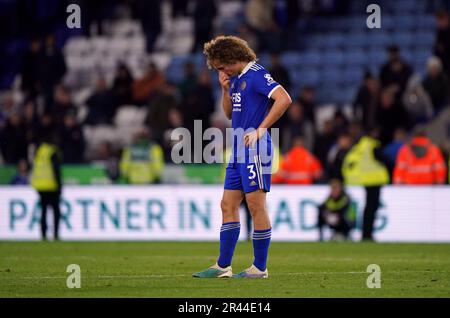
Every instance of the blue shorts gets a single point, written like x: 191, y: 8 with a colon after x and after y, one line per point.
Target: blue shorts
x: 248, y: 177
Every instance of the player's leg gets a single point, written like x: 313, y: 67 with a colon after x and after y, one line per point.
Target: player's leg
x: 229, y: 232
x: 262, y: 229
x: 256, y: 183
x: 230, y: 229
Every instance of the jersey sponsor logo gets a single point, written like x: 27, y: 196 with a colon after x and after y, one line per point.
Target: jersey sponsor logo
x: 269, y: 79
x: 236, y: 98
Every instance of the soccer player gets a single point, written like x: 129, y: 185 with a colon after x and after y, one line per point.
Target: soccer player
x: 246, y: 92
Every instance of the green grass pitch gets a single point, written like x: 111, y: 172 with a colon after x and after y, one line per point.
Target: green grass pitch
x: 164, y: 269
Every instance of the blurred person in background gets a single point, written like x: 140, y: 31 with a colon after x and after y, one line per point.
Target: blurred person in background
x: 175, y: 120
x: 299, y: 165
x: 13, y: 141
x: 364, y: 166
x: 366, y: 101
x: 436, y: 83
x: 143, y: 161
x: 72, y: 140
x: 420, y: 161
x: 189, y: 81
x: 51, y: 67
x: 164, y: 99
x: 101, y: 104
x: 390, y: 115
x: 122, y: 86
x: 337, y: 154
x: 442, y: 45
x: 61, y: 104
x: 200, y: 102
x: 144, y: 88
x: 341, y: 122
x: 203, y: 15
x: 108, y: 158
x: 417, y: 101
x: 394, y: 74
x: 337, y: 212
x: 22, y: 176
x: 30, y: 69
x: 392, y: 149
x: 149, y: 14
x: 307, y: 97
x: 324, y: 141
x: 296, y: 124
x: 46, y: 179
x: 279, y: 72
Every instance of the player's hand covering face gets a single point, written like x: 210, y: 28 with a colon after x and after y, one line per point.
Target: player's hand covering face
x: 224, y: 80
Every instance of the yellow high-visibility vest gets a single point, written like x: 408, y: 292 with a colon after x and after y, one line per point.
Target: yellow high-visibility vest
x: 360, y: 166
x: 142, y: 164
x: 42, y: 176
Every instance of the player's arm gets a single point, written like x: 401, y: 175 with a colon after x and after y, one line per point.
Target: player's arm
x: 281, y: 104
x: 226, y: 100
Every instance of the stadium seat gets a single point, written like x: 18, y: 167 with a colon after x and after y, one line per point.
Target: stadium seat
x: 310, y: 58
x: 334, y: 57
x: 356, y: 57
x: 129, y: 116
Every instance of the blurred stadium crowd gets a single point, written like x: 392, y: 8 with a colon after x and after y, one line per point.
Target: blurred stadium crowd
x: 135, y: 70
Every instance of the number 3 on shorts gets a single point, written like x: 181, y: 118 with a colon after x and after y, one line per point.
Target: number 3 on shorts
x: 252, y: 171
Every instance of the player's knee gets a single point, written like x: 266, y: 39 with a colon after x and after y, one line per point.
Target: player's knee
x: 255, y: 207
x: 227, y: 207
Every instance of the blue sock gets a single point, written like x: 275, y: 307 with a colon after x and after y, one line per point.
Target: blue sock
x: 261, y: 242
x: 229, y: 235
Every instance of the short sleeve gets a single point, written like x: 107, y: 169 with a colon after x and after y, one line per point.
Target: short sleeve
x: 264, y: 83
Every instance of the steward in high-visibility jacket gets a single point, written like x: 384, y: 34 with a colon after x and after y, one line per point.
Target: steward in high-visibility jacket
x: 298, y: 166
x: 46, y: 180
x: 361, y: 167
x: 420, y: 162
x: 364, y: 165
x: 142, y: 162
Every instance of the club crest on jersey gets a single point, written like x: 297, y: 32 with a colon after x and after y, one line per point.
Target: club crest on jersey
x: 269, y: 79
x: 243, y: 85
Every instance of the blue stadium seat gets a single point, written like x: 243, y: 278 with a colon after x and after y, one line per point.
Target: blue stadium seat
x: 352, y: 75
x: 358, y: 40
x: 426, y: 22
x: 404, y: 39
x: 289, y: 59
x: 334, y: 40
x: 357, y: 22
x: 356, y: 57
x: 387, y: 22
x: 306, y: 76
x: 331, y: 75
x: 379, y: 38
x: 406, y: 22
x: 310, y: 58
x: 424, y: 39
x: 377, y: 56
x: 333, y: 57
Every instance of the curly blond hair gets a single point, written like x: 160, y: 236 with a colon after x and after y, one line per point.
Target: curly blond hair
x: 228, y: 49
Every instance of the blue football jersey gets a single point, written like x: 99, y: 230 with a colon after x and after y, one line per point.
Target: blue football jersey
x: 250, y: 94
